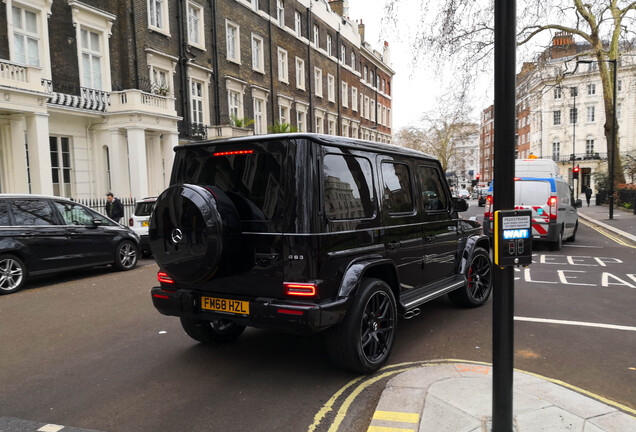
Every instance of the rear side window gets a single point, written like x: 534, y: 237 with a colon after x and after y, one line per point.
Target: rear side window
x: 253, y: 175
x: 532, y: 192
x: 396, y: 186
x: 4, y: 214
x: 32, y: 212
x: 348, y: 190
x: 144, y: 208
x: 433, y: 196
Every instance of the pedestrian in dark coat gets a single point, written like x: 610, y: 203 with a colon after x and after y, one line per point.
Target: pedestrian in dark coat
x: 114, y: 207
x: 588, y: 194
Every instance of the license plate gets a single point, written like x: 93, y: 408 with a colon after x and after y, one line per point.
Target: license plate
x: 144, y: 224
x: 225, y: 305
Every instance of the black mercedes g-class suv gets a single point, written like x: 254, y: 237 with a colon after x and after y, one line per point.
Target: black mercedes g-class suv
x: 307, y: 233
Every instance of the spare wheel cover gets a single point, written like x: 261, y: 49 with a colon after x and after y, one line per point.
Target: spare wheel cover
x: 187, y: 232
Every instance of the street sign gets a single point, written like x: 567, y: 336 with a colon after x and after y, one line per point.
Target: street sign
x: 513, y: 237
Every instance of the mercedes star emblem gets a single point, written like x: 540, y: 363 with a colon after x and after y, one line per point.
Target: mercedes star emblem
x: 176, y: 235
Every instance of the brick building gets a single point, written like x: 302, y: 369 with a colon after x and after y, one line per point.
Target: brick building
x: 95, y: 94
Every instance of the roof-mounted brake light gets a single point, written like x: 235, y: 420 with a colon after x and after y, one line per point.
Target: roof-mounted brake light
x: 235, y: 152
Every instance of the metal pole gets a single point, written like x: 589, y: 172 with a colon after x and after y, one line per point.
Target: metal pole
x: 611, y: 160
x: 504, y: 168
x: 575, y: 116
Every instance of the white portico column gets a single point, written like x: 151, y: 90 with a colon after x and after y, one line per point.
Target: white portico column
x: 118, y: 162
x: 37, y: 133
x: 170, y: 141
x: 14, y: 162
x: 137, y: 162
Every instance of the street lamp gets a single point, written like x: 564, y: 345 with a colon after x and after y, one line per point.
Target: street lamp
x: 610, y: 151
x: 575, y: 117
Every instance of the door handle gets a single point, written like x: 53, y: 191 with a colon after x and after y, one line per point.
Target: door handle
x: 393, y: 246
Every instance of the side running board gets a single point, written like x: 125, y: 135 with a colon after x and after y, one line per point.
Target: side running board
x: 419, y: 297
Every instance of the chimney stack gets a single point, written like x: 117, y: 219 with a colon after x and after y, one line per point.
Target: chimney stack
x: 361, y: 30
x: 386, y: 54
x: 562, y: 45
x: 338, y: 6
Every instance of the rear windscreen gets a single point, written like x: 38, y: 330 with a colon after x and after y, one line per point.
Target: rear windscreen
x: 144, y: 208
x: 532, y: 192
x: 252, y: 174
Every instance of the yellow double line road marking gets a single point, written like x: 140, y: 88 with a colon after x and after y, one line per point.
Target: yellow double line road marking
x: 607, y: 234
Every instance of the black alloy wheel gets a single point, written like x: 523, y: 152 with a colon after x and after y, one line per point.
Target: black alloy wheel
x: 126, y: 255
x: 478, y: 281
x: 12, y: 274
x: 363, y: 341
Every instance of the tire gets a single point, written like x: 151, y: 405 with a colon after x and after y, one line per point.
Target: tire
x: 572, y: 238
x: 479, y: 279
x: 195, y: 233
x: 363, y: 341
x: 558, y: 244
x: 13, y: 274
x: 212, y: 332
x: 126, y: 256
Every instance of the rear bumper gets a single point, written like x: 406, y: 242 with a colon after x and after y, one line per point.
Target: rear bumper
x: 268, y: 313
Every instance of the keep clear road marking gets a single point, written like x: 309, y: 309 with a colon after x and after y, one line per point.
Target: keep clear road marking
x: 576, y: 323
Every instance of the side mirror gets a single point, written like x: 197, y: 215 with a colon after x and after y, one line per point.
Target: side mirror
x: 460, y: 204
x: 579, y: 203
x: 98, y: 222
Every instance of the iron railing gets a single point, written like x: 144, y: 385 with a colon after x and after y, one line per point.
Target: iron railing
x: 99, y: 205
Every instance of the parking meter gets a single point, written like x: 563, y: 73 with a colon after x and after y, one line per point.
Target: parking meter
x: 513, y: 237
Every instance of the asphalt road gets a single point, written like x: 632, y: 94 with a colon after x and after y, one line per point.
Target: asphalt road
x: 88, y: 350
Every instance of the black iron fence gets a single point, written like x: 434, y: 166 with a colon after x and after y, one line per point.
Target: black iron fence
x: 99, y: 205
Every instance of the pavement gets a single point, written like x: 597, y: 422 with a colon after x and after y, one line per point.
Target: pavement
x: 456, y: 396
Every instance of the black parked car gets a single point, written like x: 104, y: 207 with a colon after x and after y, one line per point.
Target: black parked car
x: 307, y: 233
x: 43, y: 234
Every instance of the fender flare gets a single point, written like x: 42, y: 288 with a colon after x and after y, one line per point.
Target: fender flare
x: 472, y: 243
x: 354, y: 274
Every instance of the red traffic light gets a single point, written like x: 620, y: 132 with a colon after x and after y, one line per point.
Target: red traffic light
x: 576, y: 169
x: 477, y: 176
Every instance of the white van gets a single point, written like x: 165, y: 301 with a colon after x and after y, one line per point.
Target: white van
x: 555, y: 216
x: 536, y: 168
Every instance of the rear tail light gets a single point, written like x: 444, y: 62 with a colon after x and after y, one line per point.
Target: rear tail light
x: 289, y: 311
x: 295, y: 289
x: 130, y: 222
x: 488, y: 211
x: 164, y: 278
x: 552, y: 203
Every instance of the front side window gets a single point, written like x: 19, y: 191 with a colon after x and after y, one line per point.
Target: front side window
x: 433, y: 195
x: 195, y: 25
x: 232, y: 38
x: 75, y: 214
x: 32, y: 212
x: 91, y: 59
x: 60, y: 151
x: 196, y: 101
x: 396, y: 187
x: 26, y: 38
x: 348, y: 190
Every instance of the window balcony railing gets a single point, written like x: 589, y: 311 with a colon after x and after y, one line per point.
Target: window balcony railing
x: 138, y: 100
x: 20, y: 77
x: 579, y: 157
x: 74, y: 96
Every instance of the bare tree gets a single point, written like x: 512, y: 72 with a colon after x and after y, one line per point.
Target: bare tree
x: 441, y: 131
x: 460, y: 33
